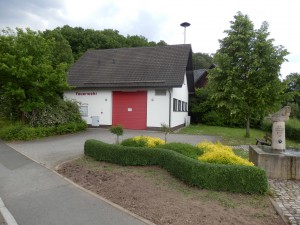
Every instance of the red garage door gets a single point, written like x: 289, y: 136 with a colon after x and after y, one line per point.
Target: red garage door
x: 130, y: 109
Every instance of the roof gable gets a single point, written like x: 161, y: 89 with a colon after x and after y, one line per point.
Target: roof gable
x: 160, y: 66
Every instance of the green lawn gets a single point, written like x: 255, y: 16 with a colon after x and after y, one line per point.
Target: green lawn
x: 230, y: 136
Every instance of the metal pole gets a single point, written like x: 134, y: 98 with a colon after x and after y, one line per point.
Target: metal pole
x: 185, y: 25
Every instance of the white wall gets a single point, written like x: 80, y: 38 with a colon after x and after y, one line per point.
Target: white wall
x: 178, y: 118
x: 99, y: 103
x: 157, y: 109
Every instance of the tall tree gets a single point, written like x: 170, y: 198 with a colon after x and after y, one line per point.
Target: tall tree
x: 28, y: 79
x: 246, y: 79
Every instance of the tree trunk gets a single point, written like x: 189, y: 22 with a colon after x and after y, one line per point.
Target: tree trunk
x: 248, y: 127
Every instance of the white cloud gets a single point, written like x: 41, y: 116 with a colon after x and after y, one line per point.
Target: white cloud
x: 160, y: 19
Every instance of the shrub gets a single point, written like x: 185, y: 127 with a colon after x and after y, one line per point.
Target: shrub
x: 207, y: 146
x: 213, y: 118
x: 118, y: 130
x: 183, y: 148
x: 60, y: 112
x: 224, y: 158
x: 292, y: 128
x: 20, y: 132
x: 143, y: 141
x: 166, y: 129
x: 220, y: 154
x: 233, y: 178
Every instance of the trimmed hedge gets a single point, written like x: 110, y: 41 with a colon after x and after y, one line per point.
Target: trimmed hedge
x: 184, y: 149
x: 242, y: 179
x: 21, y: 132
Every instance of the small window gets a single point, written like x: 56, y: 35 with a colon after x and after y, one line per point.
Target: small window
x: 183, y: 106
x: 186, y: 107
x: 160, y: 92
x: 83, y: 110
x: 179, y: 105
x: 174, y: 104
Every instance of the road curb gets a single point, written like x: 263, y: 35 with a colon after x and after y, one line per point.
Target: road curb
x: 279, y: 211
x: 9, y: 219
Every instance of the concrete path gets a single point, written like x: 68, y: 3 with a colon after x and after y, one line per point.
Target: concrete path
x: 52, y: 151
x: 36, y: 195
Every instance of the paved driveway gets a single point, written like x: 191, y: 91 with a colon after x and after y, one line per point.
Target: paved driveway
x: 54, y: 150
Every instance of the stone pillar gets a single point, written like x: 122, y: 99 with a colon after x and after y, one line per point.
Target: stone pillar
x: 278, y: 128
x: 278, y: 136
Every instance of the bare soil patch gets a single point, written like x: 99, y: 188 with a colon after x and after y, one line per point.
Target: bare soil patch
x: 152, y: 193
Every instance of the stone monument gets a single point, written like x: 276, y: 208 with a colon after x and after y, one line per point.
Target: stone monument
x: 278, y: 128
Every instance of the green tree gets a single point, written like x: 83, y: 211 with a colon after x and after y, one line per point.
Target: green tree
x: 246, y: 79
x: 61, y: 52
x: 202, y: 60
x: 82, y: 40
x: 292, y: 82
x: 138, y: 41
x: 28, y: 79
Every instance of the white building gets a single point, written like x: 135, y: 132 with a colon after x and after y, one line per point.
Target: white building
x: 139, y: 88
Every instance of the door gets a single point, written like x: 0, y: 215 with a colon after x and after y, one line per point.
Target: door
x: 130, y: 109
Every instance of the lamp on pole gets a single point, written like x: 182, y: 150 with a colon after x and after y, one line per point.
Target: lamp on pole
x: 185, y: 25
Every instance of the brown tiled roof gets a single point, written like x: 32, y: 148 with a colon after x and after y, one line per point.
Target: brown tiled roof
x: 161, y: 66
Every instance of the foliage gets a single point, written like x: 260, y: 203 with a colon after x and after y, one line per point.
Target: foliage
x: 81, y: 39
x: 166, y: 129
x: 207, y: 147
x: 28, y: 79
x: 292, y: 82
x: 204, y: 110
x: 62, y: 52
x: 220, y: 154
x: 243, y: 179
x: 202, y: 60
x: 18, y: 131
x: 58, y: 113
x: 184, y: 149
x: 246, y: 80
x: 143, y: 141
x: 292, y: 129
x: 118, y: 130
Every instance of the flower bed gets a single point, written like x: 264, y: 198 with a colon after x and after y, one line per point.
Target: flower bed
x: 233, y: 178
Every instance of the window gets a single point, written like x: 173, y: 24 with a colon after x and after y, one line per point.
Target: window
x: 179, y: 105
x: 183, y: 106
x: 174, y: 104
x: 160, y: 92
x: 83, y: 110
x: 186, y: 107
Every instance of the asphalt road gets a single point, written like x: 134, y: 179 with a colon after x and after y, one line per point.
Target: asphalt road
x: 52, y: 151
x: 36, y: 195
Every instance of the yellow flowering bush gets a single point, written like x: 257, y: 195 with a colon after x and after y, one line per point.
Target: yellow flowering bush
x: 148, y: 141
x: 220, y: 154
x: 207, y: 146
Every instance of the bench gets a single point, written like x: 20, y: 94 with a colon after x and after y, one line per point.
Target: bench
x: 267, y: 140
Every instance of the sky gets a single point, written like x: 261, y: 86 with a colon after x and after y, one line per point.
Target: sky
x: 160, y: 20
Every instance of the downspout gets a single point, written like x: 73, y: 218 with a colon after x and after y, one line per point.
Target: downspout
x: 170, y: 107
